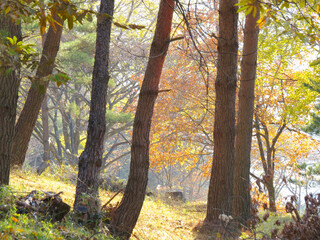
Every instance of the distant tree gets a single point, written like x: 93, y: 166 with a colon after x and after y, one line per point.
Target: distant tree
x: 9, y: 86
x: 45, y: 128
x: 90, y: 161
x: 126, y: 215
x: 241, y: 188
x: 221, y: 181
x: 267, y: 154
x: 69, y: 104
x: 314, y: 126
x: 54, y: 14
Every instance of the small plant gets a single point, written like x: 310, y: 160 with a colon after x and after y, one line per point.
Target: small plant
x: 307, y: 226
x: 6, y: 201
x: 304, y: 227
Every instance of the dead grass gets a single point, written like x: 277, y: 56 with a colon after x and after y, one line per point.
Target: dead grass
x: 167, y: 221
x: 158, y: 220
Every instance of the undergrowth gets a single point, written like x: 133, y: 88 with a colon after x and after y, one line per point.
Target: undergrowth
x: 29, y: 226
x: 158, y: 219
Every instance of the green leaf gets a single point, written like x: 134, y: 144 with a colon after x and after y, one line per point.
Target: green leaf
x: 249, y: 10
x: 134, y: 26
x: 120, y: 25
x: 89, y: 18
x: 105, y: 15
x: 315, y: 62
x: 242, y: 9
x: 70, y: 22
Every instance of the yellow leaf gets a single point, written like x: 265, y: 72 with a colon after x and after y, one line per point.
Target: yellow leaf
x: 7, y: 10
x: 254, y: 11
x: 261, y: 22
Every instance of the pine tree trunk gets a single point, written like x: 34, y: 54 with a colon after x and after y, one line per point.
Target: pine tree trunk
x: 90, y: 160
x: 30, y: 111
x: 221, y: 181
x: 9, y: 87
x: 126, y: 215
x: 241, y: 188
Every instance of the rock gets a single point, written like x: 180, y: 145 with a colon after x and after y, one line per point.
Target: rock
x: 175, y: 196
x: 113, y: 184
x: 150, y: 194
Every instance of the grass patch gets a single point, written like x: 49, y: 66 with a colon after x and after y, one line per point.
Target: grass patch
x: 165, y: 220
x: 158, y: 219
x: 264, y: 228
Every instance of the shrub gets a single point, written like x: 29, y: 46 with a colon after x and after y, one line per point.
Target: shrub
x: 307, y: 226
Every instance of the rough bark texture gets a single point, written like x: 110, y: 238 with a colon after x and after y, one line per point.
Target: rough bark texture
x: 221, y: 181
x: 241, y: 188
x: 90, y: 160
x: 37, y: 91
x: 126, y: 215
x: 9, y: 86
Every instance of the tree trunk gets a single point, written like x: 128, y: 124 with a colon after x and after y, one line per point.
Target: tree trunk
x: 221, y: 181
x: 30, y: 111
x: 267, y: 152
x: 241, y: 188
x: 271, y: 195
x: 90, y: 160
x: 126, y: 215
x: 45, y: 136
x: 65, y: 131
x: 55, y: 98
x: 45, y: 129
x: 9, y: 86
x: 76, y: 135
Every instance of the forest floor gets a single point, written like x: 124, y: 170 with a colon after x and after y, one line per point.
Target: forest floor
x: 158, y: 219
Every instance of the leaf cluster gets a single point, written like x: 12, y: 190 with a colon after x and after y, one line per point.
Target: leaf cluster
x: 15, y: 54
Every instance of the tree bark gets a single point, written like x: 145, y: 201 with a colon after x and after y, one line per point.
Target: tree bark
x: 241, y: 188
x: 221, y: 181
x: 45, y: 129
x: 90, y: 160
x: 45, y: 136
x: 126, y: 215
x: 271, y: 193
x: 30, y: 111
x: 9, y: 87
